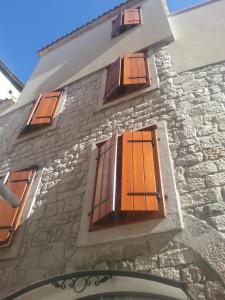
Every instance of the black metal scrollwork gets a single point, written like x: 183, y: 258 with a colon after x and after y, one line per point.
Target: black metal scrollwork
x: 80, y: 283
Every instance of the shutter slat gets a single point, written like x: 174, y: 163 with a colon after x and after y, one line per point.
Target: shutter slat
x: 132, y: 17
x: 116, y: 25
x: 9, y: 217
x: 149, y: 172
x: 113, y: 79
x: 46, y: 108
x: 104, y: 198
x: 127, y: 172
x: 21, y: 175
x: 97, y: 199
x: 138, y: 173
x: 135, y: 71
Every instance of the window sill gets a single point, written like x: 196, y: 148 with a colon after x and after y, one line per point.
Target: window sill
x: 172, y: 221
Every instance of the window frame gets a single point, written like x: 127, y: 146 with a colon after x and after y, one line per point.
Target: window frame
x: 40, y: 129
x: 24, y: 204
x: 118, y: 217
x: 122, y: 26
x: 132, y: 88
x: 102, y: 105
x: 173, y: 220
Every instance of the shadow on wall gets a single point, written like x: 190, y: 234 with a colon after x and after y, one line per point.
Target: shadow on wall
x: 53, y: 73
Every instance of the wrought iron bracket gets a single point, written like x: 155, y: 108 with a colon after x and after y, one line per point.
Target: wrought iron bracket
x: 80, y: 283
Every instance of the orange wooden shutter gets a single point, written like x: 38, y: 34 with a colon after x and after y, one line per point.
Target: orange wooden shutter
x: 45, y: 109
x: 116, y: 25
x: 135, y: 69
x: 132, y: 17
x: 18, y: 182
x: 104, y: 197
x: 113, y: 79
x: 138, y: 183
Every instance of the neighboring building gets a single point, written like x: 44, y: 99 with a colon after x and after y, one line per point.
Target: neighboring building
x: 116, y: 151
x: 10, y: 87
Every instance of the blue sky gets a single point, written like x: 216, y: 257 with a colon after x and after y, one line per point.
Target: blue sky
x: 28, y: 25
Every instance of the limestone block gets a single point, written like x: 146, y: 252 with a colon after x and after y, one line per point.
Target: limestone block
x: 51, y: 255
x: 145, y: 262
x: 214, y: 291
x: 202, y: 169
x: 192, y: 184
x: 215, y: 180
x: 196, y: 291
x: 218, y: 222
x: 212, y: 210
x: 175, y: 258
x: 201, y: 197
x: 170, y: 273
x: 191, y: 274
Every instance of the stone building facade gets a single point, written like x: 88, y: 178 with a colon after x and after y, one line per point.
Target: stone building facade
x: 190, y: 247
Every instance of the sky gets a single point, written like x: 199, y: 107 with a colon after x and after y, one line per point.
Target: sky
x: 28, y: 25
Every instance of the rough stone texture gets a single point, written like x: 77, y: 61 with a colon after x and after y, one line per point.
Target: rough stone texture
x: 192, y: 104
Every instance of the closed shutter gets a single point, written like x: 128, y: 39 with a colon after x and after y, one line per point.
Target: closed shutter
x: 132, y: 17
x: 104, y: 197
x: 18, y: 182
x: 113, y: 79
x: 45, y: 109
x: 135, y: 69
x: 138, y: 183
x: 116, y: 25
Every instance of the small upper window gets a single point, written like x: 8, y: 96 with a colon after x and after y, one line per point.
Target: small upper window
x: 43, y: 112
x: 130, y: 18
x: 128, y: 182
x: 19, y: 183
x: 127, y: 74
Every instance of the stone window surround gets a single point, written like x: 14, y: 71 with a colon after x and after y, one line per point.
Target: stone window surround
x: 101, y: 105
x: 172, y: 221
x: 11, y: 250
x: 32, y: 134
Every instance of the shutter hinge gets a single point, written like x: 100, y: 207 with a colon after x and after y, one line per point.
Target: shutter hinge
x: 157, y: 194
x: 152, y: 141
x: 9, y: 228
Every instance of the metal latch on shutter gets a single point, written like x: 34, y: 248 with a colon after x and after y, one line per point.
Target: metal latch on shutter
x: 157, y: 194
x: 152, y: 141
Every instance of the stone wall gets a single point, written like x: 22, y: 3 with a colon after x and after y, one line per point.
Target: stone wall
x: 192, y: 104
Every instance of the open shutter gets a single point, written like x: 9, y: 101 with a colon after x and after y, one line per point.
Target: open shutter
x: 18, y: 182
x: 116, y: 25
x: 113, y: 79
x: 132, y: 17
x: 104, y: 197
x: 45, y: 109
x: 135, y: 69
x: 138, y: 183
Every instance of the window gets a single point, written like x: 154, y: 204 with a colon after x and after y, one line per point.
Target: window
x: 125, y: 21
x: 126, y: 74
x: 19, y: 183
x: 43, y: 112
x: 127, y: 180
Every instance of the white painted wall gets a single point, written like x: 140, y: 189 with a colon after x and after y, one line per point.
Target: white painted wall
x: 5, y: 87
x: 94, y: 50
x: 199, y: 36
